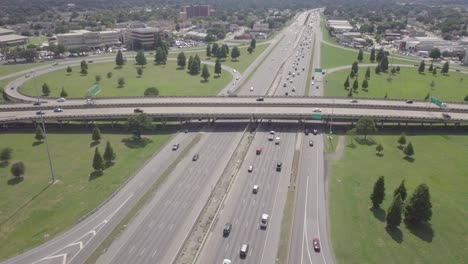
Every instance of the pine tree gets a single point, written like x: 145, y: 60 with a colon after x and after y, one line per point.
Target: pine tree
x: 109, y: 154
x: 190, y: 62
x: 418, y: 208
x: 39, y: 133
x: 226, y: 48
x: 355, y: 67
x: 194, y: 69
x: 217, y: 68
x: 160, y: 56
x: 253, y: 43
x: 379, y: 148
x: 380, y: 55
x: 346, y: 83
x: 368, y: 73
x: 181, y: 60
x: 84, y: 67
x: 235, y: 53
x: 98, y: 162
x: 352, y: 74
x: 350, y: 93
x: 197, y: 60
x: 365, y: 84
x: 18, y: 169
x: 139, y: 71
x: 398, y: 69
x: 214, y: 49
x: 96, y: 136
x: 378, y: 70
x: 69, y: 69
x: 431, y: 67
x: 401, y: 190
x: 402, y: 139
x: 445, y: 68
x: 360, y: 56
x: 63, y: 93
x: 394, y: 212
x: 393, y: 71
x: 205, y: 73
x: 119, y: 60
x: 422, y: 66
x: 372, y: 55
x: 45, y: 89
x: 140, y: 58
x: 409, y: 150
x: 208, y: 50
x: 384, y: 63
x: 355, y: 85
x: 378, y: 195
x: 250, y: 50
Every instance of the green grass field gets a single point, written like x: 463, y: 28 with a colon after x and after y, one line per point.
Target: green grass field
x: 408, y: 84
x: 9, y: 69
x: 32, y: 211
x: 167, y: 78
x: 240, y: 65
x: 360, y: 237
x: 37, y: 40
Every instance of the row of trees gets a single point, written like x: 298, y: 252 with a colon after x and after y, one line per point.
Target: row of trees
x: 432, y: 69
x: 221, y: 52
x: 100, y: 162
x: 416, y: 210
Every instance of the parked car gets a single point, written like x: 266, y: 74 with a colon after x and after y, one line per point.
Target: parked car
x: 315, y: 132
x: 317, y: 110
x: 353, y: 101
x: 37, y: 103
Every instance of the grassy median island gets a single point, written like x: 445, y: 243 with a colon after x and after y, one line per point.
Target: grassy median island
x: 359, y: 236
x: 408, y: 84
x: 166, y: 78
x: 6, y: 69
x: 32, y: 211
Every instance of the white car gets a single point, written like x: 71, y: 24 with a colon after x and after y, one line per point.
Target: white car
x: 250, y: 169
x: 317, y: 110
x: 255, y: 189
x: 227, y: 261
x: 237, y: 78
x: 251, y: 88
x: 61, y: 100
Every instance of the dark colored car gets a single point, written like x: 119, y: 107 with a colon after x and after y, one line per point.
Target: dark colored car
x: 227, y: 229
x: 306, y: 131
x: 195, y: 157
x: 314, y: 131
x: 409, y: 101
x: 175, y: 146
x: 316, y: 244
x: 445, y: 115
x: 138, y: 110
x: 260, y: 99
x: 40, y: 113
x: 279, y: 165
x: 37, y: 103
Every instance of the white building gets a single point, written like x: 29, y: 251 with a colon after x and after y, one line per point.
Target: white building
x: 196, y: 35
x: 339, y: 25
x: 88, y: 39
x: 261, y: 27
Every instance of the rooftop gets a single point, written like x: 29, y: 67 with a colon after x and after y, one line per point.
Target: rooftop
x: 12, y: 37
x: 6, y: 31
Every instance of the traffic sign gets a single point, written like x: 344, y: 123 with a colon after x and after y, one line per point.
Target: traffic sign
x: 318, y: 69
x: 93, y: 91
x: 316, y: 116
x: 435, y: 101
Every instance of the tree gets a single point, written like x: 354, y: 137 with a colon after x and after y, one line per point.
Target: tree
x: 109, y: 154
x: 119, y: 60
x: 214, y: 49
x: 384, y: 63
x: 208, y: 50
x: 365, y: 126
x: 139, y: 71
x: 84, y: 67
x: 226, y: 48
x: 97, y: 78
x: 408, y: 150
x: 63, y: 93
x: 418, y: 208
x: 350, y: 93
x: 160, y: 57
x: 355, y: 67
x: 18, y: 169
x: 394, y: 212
x: 466, y: 98
x: 402, y: 139
x: 428, y: 95
x: 360, y: 56
x: 69, y: 70
x: 177, y: 27
x: 138, y: 122
x: 445, y: 68
x: 250, y: 50
x: 109, y: 75
x: 121, y: 82
x: 221, y: 53
x: 151, y: 91
x: 6, y: 154
x: 422, y: 65
x: 45, y: 89
x: 140, y: 58
x: 380, y: 55
x: 253, y: 43
x: 372, y: 55
x: 401, y: 190
x: 378, y: 70
x: 367, y: 73
x: 205, y: 73
x: 235, y: 53
x: 378, y: 195
x: 39, y: 133
x: 432, y: 84
x: 352, y: 74
x: 189, y: 64
x: 96, y: 134
x: 355, y: 85
x: 197, y: 60
x: 379, y: 148
x: 365, y: 84
x: 434, y: 72
x: 435, y: 53
x: 431, y: 67
x: 98, y: 162
x: 181, y: 60
x: 393, y: 71
x: 217, y: 68
x: 346, y: 83
x: 194, y: 69
x: 398, y: 69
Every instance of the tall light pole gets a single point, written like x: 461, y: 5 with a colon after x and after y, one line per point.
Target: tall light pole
x: 53, y: 180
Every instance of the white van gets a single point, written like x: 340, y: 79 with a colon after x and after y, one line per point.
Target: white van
x: 244, y: 250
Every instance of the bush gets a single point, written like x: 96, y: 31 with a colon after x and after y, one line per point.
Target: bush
x: 121, y: 82
x: 109, y: 75
x: 152, y: 91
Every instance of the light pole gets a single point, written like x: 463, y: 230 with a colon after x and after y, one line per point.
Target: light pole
x: 53, y: 180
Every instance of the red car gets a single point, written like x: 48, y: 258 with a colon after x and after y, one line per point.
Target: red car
x: 316, y: 244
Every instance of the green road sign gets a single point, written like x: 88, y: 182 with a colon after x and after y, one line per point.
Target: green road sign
x: 93, y: 91
x: 435, y: 101
x: 317, y: 116
x: 318, y: 69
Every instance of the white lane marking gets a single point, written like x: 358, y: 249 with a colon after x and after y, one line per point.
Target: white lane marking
x: 170, y: 227
x: 131, y: 250
x: 154, y: 253
x: 142, y: 251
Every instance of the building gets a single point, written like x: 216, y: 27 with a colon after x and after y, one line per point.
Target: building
x: 89, y: 39
x: 9, y: 38
x: 261, y: 27
x: 196, y: 35
x: 140, y: 38
x: 389, y: 36
x: 465, y: 60
x: 196, y: 11
x: 339, y: 26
